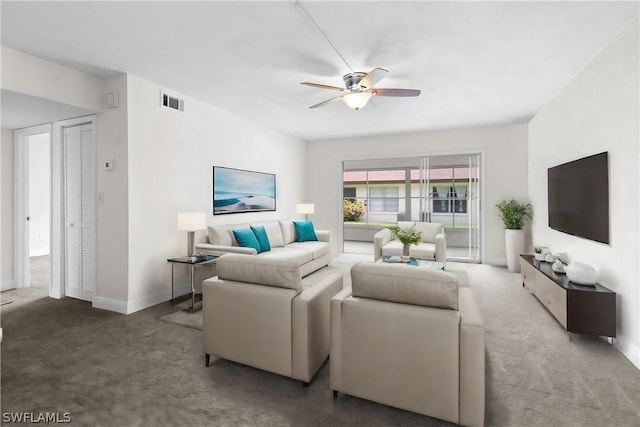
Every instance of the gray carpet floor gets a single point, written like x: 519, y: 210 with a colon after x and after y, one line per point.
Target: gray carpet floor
x: 109, y: 369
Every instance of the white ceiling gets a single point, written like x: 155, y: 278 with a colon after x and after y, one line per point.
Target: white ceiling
x: 477, y: 63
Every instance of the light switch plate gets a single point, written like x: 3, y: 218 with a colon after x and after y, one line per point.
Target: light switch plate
x: 111, y: 99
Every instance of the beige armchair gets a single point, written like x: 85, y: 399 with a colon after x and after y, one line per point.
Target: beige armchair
x: 259, y: 312
x: 409, y: 337
x: 432, y: 247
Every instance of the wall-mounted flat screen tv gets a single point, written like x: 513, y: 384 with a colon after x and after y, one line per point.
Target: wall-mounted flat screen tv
x: 578, y: 196
x: 237, y: 190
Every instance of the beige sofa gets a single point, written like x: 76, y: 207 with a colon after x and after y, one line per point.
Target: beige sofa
x: 310, y: 256
x: 259, y: 312
x: 432, y: 247
x: 409, y: 337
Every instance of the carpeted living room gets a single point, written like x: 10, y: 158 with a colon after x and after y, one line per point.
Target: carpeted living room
x: 302, y: 213
x: 147, y: 369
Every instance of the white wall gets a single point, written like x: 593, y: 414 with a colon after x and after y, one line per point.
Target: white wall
x: 504, y: 150
x: 6, y: 209
x: 112, y: 215
x: 598, y: 111
x: 170, y: 160
x: 39, y: 193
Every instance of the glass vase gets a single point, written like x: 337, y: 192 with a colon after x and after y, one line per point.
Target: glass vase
x: 405, y: 249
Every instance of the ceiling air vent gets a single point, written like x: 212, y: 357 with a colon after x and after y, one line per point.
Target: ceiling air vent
x: 171, y: 102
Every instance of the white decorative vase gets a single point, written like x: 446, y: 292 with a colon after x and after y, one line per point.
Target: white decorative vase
x: 582, y: 274
x: 514, y: 245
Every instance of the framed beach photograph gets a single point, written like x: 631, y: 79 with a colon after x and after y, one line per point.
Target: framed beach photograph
x: 238, y: 190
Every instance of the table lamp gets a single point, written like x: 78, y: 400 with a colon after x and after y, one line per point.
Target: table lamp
x: 306, y: 209
x: 191, y: 222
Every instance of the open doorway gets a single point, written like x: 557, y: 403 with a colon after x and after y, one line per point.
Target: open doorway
x: 69, y: 227
x: 32, y: 208
x: 39, y: 210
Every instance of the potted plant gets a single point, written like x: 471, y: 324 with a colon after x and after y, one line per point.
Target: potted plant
x: 513, y: 215
x: 407, y: 236
x: 537, y: 253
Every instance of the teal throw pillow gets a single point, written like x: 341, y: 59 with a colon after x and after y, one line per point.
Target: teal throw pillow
x: 305, y: 231
x: 247, y: 239
x: 261, y: 236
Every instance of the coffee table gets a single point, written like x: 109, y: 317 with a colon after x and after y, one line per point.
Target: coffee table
x: 416, y: 262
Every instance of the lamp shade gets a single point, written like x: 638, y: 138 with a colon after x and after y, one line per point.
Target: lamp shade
x: 356, y: 100
x: 305, y: 208
x: 192, y: 221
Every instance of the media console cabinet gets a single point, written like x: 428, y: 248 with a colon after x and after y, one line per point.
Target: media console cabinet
x: 579, y: 309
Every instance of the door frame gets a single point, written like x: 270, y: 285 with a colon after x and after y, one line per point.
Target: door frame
x: 21, y: 264
x: 56, y: 289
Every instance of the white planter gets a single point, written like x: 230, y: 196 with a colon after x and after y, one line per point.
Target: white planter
x: 514, y: 245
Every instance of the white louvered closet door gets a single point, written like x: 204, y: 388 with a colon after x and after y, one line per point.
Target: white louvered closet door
x: 79, y: 211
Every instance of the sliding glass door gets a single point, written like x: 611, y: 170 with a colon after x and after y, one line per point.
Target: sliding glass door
x: 443, y: 189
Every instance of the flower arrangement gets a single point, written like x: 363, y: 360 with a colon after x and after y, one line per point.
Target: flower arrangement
x: 352, y: 210
x: 407, y: 236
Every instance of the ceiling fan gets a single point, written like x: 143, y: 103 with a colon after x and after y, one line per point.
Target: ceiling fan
x: 359, y: 88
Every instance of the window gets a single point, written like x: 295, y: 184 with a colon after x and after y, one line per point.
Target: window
x: 460, y: 199
x: 383, y: 199
x: 349, y: 193
x: 440, y: 199
x: 450, y: 199
x: 442, y: 188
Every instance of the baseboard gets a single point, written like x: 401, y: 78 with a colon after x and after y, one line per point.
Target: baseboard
x: 150, y: 301
x: 128, y: 307
x: 500, y: 262
x: 5, y: 285
x: 54, y: 292
x: 630, y: 352
x: 180, y: 290
x: 110, y: 304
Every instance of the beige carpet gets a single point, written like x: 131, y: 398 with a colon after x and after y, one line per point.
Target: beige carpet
x: 135, y: 370
x: 185, y: 318
x: 38, y: 288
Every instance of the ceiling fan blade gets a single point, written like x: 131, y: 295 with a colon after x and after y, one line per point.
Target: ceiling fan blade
x: 328, y: 101
x: 396, y: 92
x: 321, y: 86
x: 372, y: 78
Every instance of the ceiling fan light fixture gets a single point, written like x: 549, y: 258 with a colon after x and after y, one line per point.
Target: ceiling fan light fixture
x: 356, y: 100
